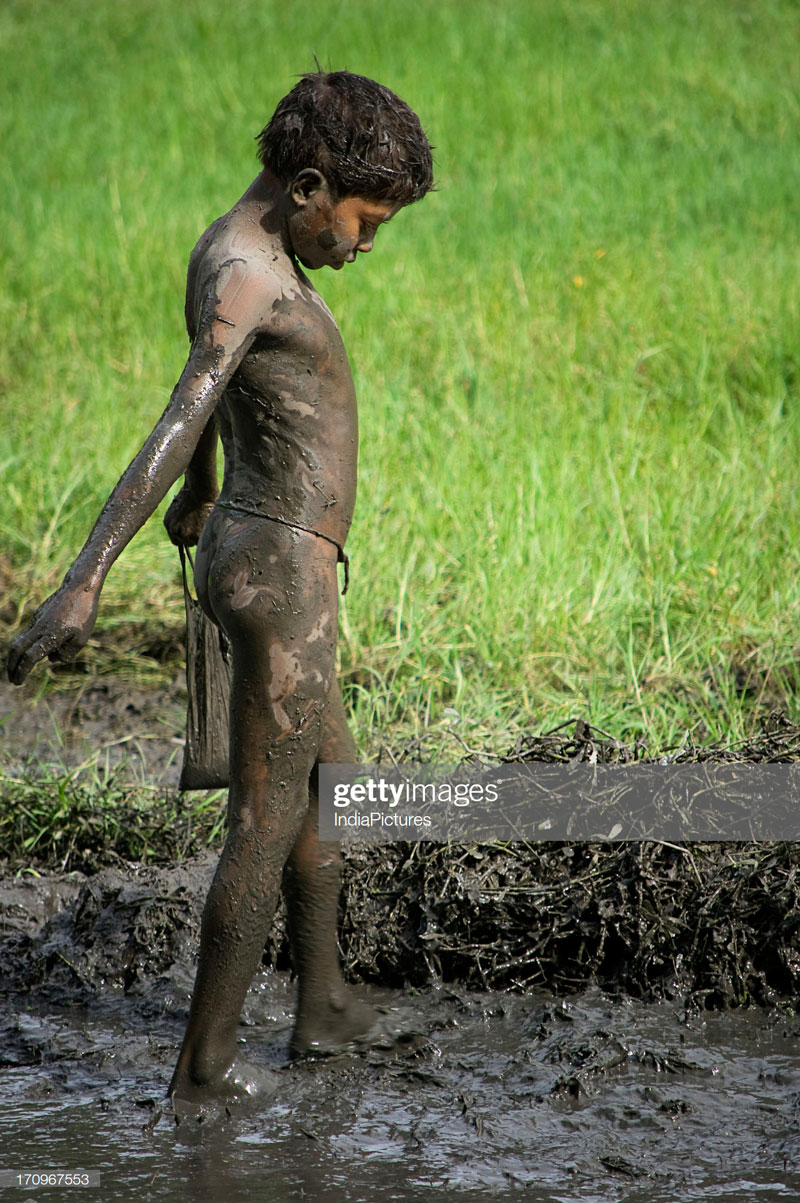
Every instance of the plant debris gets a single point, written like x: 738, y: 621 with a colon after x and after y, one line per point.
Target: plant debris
x: 716, y: 923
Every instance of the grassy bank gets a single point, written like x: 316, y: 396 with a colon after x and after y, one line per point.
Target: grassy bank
x: 578, y: 362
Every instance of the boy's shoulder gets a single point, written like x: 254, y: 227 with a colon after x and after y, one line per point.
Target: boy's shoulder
x: 236, y: 238
x: 236, y: 255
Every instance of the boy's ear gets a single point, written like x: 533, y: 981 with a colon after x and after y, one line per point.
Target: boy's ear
x: 305, y: 184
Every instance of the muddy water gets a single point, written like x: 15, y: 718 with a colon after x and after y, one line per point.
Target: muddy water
x: 587, y: 1099
x: 501, y: 1097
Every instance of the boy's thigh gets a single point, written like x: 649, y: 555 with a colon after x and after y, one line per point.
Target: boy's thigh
x: 275, y: 593
x: 337, y: 745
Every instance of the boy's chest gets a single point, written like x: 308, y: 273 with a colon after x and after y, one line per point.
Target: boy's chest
x: 303, y: 348
x: 303, y: 343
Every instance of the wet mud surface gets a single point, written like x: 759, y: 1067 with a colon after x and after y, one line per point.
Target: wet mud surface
x: 590, y: 1097
x: 581, y: 1092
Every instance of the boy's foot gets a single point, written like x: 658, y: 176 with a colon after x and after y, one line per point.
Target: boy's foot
x: 241, y: 1082
x: 349, y: 1028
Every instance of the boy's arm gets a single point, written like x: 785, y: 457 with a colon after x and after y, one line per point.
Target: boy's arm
x: 232, y: 316
x: 189, y: 508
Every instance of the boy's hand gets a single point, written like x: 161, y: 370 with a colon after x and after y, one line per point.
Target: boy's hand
x: 186, y: 517
x: 60, y: 628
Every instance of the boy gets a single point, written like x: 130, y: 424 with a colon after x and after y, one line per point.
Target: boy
x: 267, y: 370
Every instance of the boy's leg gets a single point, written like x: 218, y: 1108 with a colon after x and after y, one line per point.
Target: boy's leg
x: 282, y: 669
x: 328, y: 1016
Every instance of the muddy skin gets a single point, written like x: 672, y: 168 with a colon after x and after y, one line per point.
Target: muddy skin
x: 283, y: 634
x: 328, y: 1018
x: 269, y: 372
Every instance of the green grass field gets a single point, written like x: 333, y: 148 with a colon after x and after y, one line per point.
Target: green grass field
x: 577, y: 362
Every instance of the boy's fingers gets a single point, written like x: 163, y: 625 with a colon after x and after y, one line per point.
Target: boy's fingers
x: 22, y: 663
x: 24, y: 654
x: 182, y: 532
x: 16, y: 652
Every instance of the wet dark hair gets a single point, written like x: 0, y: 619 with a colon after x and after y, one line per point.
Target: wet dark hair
x: 365, y: 140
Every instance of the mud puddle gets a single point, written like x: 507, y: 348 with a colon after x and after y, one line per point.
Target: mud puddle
x: 586, y: 1099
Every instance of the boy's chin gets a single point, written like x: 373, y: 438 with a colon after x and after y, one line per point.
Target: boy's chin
x: 335, y: 264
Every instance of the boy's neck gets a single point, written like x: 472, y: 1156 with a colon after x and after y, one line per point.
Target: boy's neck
x: 269, y: 204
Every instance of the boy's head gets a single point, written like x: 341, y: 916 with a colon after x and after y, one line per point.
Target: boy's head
x: 362, y: 138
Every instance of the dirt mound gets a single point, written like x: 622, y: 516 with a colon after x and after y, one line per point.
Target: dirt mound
x: 116, y: 930
x: 715, y: 923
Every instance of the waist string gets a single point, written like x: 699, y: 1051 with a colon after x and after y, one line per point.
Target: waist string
x: 342, y: 557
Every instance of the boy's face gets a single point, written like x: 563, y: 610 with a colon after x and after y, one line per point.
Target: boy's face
x: 325, y: 232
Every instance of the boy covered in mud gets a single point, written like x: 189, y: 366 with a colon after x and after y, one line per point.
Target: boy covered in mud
x: 268, y: 371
